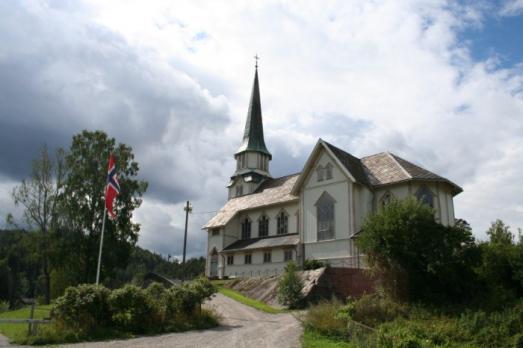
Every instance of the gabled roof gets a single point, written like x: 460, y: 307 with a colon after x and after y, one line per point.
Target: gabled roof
x: 373, y: 171
x: 351, y: 163
x: 270, y: 192
x: 386, y: 168
x: 253, y: 135
x: 265, y: 242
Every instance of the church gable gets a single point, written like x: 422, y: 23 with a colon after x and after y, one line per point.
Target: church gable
x: 322, y: 167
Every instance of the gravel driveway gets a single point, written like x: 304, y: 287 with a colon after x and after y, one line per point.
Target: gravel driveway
x: 242, y: 326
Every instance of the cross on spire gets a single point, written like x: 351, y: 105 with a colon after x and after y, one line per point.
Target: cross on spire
x: 256, y: 58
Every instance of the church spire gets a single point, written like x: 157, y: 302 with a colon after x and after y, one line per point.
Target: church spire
x: 253, y: 135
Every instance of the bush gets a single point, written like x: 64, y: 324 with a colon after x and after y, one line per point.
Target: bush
x: 372, y: 310
x: 323, y: 319
x: 132, y: 310
x: 310, y: 264
x: 4, y: 306
x: 290, y: 286
x: 84, y: 308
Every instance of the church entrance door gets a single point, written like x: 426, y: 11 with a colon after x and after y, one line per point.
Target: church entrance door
x: 214, y: 264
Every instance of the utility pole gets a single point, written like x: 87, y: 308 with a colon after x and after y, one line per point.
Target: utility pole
x: 188, y: 209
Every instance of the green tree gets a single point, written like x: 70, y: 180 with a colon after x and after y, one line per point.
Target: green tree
x: 417, y: 258
x: 501, y: 268
x: 39, y: 197
x: 500, y: 233
x: 290, y: 286
x: 83, y: 200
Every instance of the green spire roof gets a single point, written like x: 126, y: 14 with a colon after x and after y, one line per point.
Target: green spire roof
x: 253, y: 135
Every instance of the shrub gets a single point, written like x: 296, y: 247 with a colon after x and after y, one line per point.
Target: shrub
x: 4, y: 306
x: 289, y: 287
x: 203, y: 288
x: 310, y: 264
x: 132, y: 309
x: 372, y: 310
x: 181, y: 299
x: 84, y: 307
x: 323, y: 319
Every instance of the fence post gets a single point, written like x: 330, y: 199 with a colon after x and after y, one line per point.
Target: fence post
x: 30, y: 328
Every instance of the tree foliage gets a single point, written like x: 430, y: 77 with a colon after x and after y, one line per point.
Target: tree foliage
x: 290, y: 286
x: 39, y: 197
x: 83, y: 200
x: 416, y: 257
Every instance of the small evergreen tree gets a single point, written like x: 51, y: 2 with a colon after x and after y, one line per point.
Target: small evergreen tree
x: 289, y: 287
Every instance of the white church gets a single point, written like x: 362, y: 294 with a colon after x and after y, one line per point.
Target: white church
x: 315, y: 214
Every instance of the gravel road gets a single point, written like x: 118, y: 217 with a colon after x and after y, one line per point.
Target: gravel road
x: 242, y: 326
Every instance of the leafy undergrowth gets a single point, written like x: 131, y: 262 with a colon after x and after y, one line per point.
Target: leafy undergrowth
x: 19, y: 331
x: 237, y: 296
x: 398, y: 325
x: 52, y: 334
x: 312, y: 339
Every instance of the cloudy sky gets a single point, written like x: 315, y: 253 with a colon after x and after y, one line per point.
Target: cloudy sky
x: 437, y: 82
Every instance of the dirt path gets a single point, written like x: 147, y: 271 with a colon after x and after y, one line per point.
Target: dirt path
x: 242, y: 326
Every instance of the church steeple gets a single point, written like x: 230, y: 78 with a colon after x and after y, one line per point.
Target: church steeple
x: 252, y: 158
x: 253, y: 139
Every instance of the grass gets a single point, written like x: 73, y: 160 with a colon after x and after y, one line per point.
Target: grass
x: 16, y: 332
x: 311, y: 339
x: 237, y: 296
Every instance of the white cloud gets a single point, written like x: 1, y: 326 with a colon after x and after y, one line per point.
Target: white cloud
x: 512, y: 8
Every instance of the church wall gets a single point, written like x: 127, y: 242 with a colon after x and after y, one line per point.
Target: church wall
x: 443, y: 199
x: 257, y: 267
x: 213, y: 242
x: 271, y: 212
x: 339, y: 188
x: 363, y: 205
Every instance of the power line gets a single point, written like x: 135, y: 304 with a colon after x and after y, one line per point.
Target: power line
x: 204, y: 212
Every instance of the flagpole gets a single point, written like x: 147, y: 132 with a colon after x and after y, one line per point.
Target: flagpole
x: 101, y: 246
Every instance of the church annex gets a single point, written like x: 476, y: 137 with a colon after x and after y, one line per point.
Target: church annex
x: 315, y: 214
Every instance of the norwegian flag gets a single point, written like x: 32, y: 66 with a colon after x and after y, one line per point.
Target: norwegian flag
x: 113, y: 187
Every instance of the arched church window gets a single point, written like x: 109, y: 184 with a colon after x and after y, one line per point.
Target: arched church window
x: 328, y: 171
x: 386, y: 198
x: 319, y: 173
x: 425, y: 196
x: 325, y: 216
x: 263, y: 226
x: 246, y: 229
x: 283, y: 223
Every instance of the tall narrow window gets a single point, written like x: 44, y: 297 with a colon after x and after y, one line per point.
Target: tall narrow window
x: 263, y: 226
x: 248, y: 259
x: 325, y: 216
x: 239, y: 190
x: 230, y: 259
x: 246, y: 229
x: 283, y: 223
x: 287, y: 255
x: 244, y: 160
x: 386, y: 198
x: 425, y: 196
x: 319, y: 173
x: 267, y: 257
x: 328, y: 171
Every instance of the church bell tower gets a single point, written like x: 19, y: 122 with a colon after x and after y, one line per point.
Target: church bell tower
x: 252, y: 158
